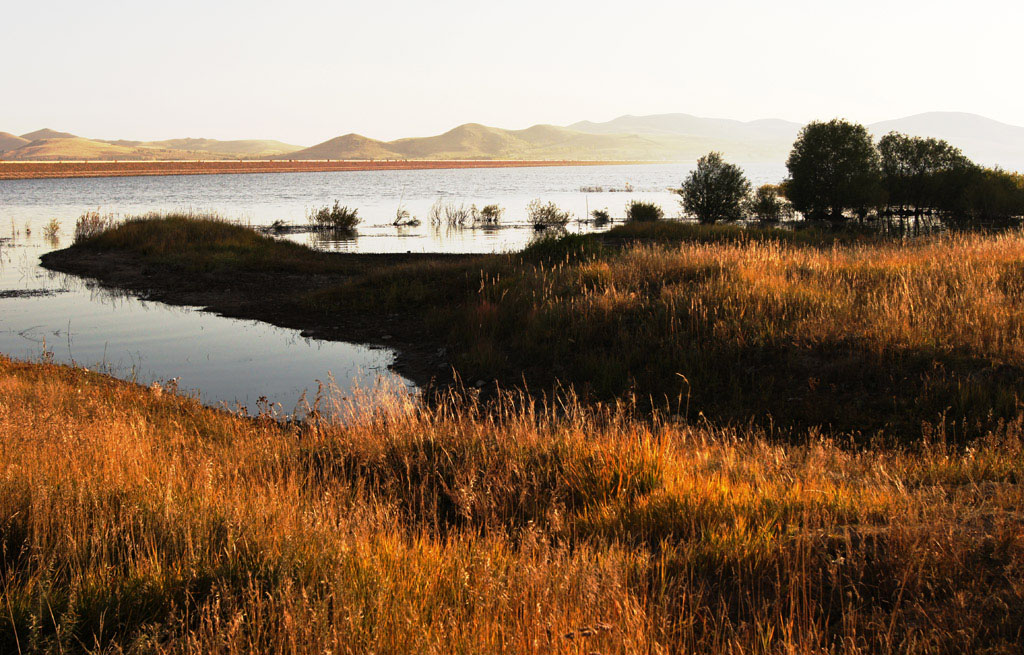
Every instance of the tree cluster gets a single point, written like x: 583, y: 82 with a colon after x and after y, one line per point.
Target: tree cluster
x: 836, y: 171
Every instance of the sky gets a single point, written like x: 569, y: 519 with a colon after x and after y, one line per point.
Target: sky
x: 304, y: 71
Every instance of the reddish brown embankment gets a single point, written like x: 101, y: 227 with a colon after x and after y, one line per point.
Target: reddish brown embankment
x: 13, y: 170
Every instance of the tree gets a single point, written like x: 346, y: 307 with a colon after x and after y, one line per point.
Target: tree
x: 922, y: 174
x: 715, y: 190
x: 833, y: 168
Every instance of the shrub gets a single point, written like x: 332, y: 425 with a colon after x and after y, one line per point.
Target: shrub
x: 490, y: 214
x: 547, y: 214
x: 715, y: 190
x: 637, y: 210
x: 601, y: 217
x: 404, y: 219
x: 334, y: 218
x: 768, y: 205
x: 560, y: 247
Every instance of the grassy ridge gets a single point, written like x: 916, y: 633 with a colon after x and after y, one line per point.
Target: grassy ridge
x: 136, y: 521
x: 792, y: 329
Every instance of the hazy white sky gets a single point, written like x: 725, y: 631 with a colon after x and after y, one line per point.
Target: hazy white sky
x: 304, y: 71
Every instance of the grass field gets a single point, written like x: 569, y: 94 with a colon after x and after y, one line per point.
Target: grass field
x: 722, y: 441
x: 790, y: 329
x: 136, y: 521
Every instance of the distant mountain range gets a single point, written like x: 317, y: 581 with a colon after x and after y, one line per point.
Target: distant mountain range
x: 50, y: 145
x: 664, y: 137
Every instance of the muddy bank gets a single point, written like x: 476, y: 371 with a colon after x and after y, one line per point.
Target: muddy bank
x: 272, y: 297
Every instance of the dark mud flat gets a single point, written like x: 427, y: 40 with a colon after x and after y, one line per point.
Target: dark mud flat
x: 273, y: 297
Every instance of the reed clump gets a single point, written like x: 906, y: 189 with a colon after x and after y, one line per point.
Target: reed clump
x: 134, y: 520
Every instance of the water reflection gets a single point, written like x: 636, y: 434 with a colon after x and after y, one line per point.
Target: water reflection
x: 225, y: 362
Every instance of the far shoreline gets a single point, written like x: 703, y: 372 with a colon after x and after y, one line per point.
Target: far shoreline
x: 27, y: 170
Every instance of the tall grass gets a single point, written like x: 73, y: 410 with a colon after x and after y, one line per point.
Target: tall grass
x: 91, y: 224
x: 789, y: 329
x: 861, y: 336
x: 133, y: 520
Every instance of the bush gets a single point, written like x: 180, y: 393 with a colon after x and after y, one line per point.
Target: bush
x: 334, y: 218
x: 715, y: 190
x: 637, y: 210
x: 404, y: 219
x: 768, y: 205
x: 547, y: 214
x: 601, y: 217
x: 555, y: 247
x: 490, y: 215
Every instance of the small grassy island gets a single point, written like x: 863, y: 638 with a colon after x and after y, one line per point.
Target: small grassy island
x: 689, y: 439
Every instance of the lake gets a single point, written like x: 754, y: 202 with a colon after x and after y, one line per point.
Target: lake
x: 236, y: 363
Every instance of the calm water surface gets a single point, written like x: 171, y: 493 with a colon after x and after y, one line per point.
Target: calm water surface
x: 235, y: 363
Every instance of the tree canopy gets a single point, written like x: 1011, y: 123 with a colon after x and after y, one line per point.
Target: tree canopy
x: 833, y: 168
x: 715, y: 190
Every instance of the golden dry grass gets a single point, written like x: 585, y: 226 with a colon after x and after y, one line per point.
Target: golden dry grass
x: 787, y: 328
x: 133, y: 520
x: 879, y: 335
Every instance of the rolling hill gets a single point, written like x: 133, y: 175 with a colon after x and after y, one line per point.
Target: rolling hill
x: 47, y: 133
x: 9, y: 141
x: 69, y: 147
x: 661, y: 137
x: 78, y: 148
x: 237, y: 148
x: 475, y: 141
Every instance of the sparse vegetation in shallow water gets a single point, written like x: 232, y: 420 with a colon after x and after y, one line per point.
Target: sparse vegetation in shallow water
x: 640, y: 211
x: 450, y: 213
x: 337, y: 217
x: 490, y: 215
x: 51, y: 231
x: 404, y: 219
x: 547, y: 214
